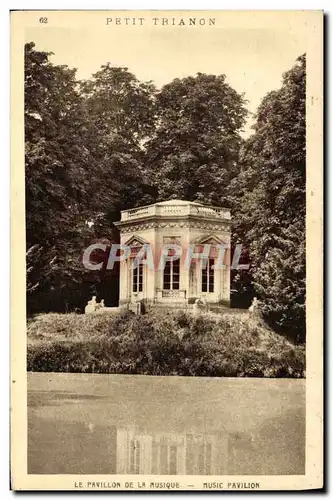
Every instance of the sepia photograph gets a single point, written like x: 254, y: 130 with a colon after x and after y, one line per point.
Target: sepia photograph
x: 165, y: 240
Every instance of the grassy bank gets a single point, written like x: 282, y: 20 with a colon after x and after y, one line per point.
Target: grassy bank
x: 161, y: 343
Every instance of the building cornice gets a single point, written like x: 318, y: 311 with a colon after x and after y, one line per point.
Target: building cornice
x: 153, y: 222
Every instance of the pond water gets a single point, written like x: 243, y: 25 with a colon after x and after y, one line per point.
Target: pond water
x: 133, y: 424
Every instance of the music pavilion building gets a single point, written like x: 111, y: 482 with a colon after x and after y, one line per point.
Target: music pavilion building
x: 175, y: 283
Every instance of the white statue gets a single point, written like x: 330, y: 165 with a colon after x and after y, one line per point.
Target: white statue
x: 254, y: 307
x: 204, y: 304
x: 199, y: 307
x: 91, y: 305
x: 99, y: 306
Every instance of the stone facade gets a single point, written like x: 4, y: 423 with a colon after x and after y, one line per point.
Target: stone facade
x: 184, y: 223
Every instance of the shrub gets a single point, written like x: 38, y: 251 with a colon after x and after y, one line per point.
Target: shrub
x: 161, y: 343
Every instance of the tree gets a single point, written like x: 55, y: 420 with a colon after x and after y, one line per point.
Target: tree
x: 59, y: 186
x: 55, y: 155
x: 83, y: 160
x: 121, y: 111
x: 193, y: 153
x: 271, y: 206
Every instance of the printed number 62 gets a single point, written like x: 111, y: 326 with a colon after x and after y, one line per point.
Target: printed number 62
x: 43, y: 20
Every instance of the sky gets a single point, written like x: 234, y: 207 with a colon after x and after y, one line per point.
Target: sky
x: 252, y: 59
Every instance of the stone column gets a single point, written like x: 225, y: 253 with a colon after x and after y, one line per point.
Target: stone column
x: 123, y: 282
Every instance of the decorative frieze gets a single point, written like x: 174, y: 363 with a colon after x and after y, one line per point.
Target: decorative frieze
x: 163, y: 225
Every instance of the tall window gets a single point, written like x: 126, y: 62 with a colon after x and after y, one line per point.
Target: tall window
x: 137, y: 279
x: 171, y: 275
x: 207, y: 277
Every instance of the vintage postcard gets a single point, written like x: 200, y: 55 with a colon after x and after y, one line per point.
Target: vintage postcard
x: 166, y: 239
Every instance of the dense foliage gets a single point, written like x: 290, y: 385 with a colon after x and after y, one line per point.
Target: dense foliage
x: 109, y: 143
x: 82, y: 167
x: 161, y: 343
x: 271, y: 205
x: 194, y: 151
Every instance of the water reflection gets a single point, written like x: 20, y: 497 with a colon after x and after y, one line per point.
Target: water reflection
x: 74, y: 448
x: 129, y: 425
x: 170, y: 453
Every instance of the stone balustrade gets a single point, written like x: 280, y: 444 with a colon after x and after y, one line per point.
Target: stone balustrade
x: 170, y: 294
x: 162, y: 210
